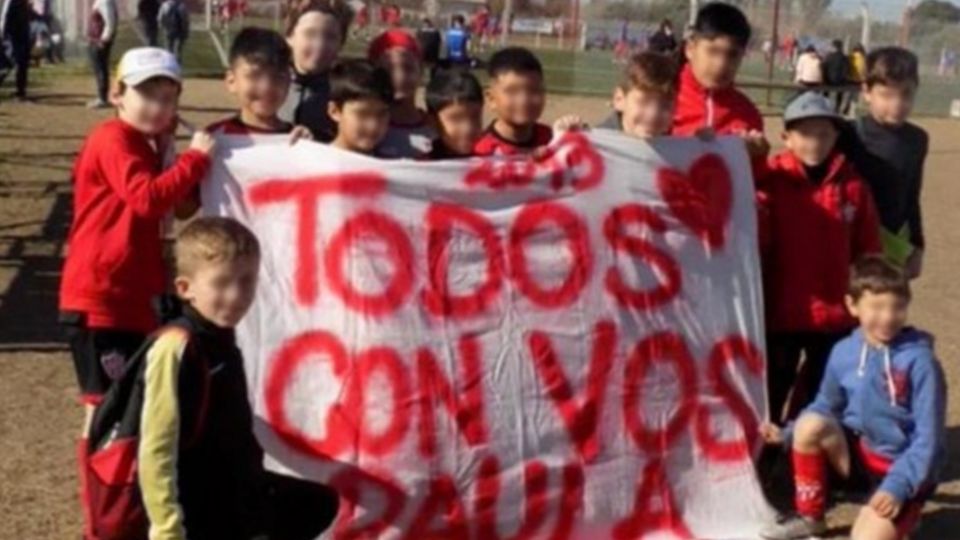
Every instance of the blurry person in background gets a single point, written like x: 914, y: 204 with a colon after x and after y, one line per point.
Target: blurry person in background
x: 101, y: 31
x: 836, y: 72
x: 663, y: 41
x: 478, y: 28
x: 15, y: 16
x: 430, y: 42
x: 174, y: 19
x: 809, y: 70
x: 858, y: 75
x: 458, y: 42
x: 147, y: 12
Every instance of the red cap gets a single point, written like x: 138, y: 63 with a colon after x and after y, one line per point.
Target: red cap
x: 392, y: 39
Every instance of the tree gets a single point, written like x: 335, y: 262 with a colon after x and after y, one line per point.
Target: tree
x: 937, y: 11
x: 812, y: 10
x: 622, y: 11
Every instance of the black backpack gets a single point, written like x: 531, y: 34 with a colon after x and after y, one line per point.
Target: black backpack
x: 109, y: 484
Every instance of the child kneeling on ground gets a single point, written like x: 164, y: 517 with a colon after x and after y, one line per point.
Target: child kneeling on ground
x: 878, y: 419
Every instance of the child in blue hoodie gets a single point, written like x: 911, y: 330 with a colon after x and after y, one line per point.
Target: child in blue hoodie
x: 878, y: 419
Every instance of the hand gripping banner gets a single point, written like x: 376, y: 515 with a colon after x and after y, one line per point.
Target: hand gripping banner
x: 566, y: 346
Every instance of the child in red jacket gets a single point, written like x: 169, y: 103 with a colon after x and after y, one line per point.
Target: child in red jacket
x: 816, y: 218
x: 114, y: 267
x: 707, y: 97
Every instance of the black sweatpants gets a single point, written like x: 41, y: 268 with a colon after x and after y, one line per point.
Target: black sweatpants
x: 20, y: 45
x: 100, y: 62
x: 299, y: 509
x: 784, y: 353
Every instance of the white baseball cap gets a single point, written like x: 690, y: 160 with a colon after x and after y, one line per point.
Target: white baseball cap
x: 142, y: 63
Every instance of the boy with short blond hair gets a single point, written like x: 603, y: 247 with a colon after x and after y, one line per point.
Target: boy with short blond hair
x: 878, y: 420
x: 199, y: 465
x: 889, y: 151
x: 643, y: 101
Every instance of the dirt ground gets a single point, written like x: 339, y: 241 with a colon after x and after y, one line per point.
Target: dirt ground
x: 39, y: 416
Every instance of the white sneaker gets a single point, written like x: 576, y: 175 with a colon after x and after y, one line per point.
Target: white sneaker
x: 794, y: 528
x: 97, y: 104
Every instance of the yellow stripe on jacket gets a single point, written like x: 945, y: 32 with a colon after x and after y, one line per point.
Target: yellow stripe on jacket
x: 160, y: 436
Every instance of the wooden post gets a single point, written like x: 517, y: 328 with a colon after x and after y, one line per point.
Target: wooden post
x: 505, y: 21
x: 774, y: 47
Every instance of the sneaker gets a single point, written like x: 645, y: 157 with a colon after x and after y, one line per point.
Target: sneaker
x: 98, y: 104
x: 794, y: 528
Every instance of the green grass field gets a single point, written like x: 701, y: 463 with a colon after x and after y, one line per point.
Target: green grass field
x: 591, y: 73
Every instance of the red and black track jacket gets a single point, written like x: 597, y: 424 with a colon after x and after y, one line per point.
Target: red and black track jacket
x: 810, y: 233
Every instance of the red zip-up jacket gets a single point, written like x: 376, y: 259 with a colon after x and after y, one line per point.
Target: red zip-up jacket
x: 809, y: 235
x: 114, y: 265
x: 726, y: 110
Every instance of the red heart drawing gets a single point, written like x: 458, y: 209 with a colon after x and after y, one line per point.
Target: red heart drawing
x: 701, y: 199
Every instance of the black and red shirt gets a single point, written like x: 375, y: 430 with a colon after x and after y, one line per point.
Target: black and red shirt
x: 439, y: 151
x: 813, y: 224
x: 235, y: 126
x: 727, y: 110
x: 492, y: 143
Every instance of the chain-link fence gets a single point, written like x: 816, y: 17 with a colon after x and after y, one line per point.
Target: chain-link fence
x: 583, y: 43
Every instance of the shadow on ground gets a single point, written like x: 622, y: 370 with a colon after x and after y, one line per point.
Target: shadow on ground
x: 28, y: 306
x: 941, y: 514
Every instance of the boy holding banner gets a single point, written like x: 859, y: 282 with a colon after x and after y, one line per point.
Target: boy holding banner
x: 707, y: 98
x: 114, y: 267
x: 259, y: 77
x: 516, y: 95
x: 643, y: 101
x: 360, y: 98
x: 455, y: 103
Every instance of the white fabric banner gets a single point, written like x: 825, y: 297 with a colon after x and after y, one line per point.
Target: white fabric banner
x: 566, y: 347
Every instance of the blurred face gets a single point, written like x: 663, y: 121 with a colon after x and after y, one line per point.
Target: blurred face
x: 316, y: 41
x: 517, y: 98
x: 811, y: 140
x: 881, y: 316
x: 361, y: 124
x: 260, y: 89
x: 890, y: 104
x: 221, y: 291
x: 405, y: 72
x: 714, y: 62
x: 151, y: 106
x: 643, y: 114
x: 460, y: 125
